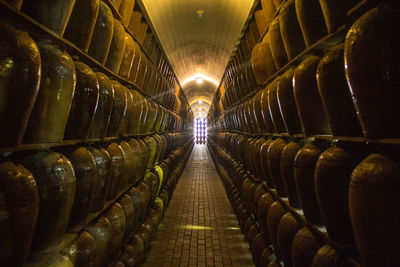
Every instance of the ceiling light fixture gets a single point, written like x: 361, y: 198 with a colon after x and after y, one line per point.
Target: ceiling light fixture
x: 199, y: 13
x: 199, y: 80
x: 197, y: 75
x: 200, y: 101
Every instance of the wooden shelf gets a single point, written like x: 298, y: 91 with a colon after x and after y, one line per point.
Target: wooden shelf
x: 42, y: 146
x: 114, y: 11
x: 278, y: 10
x: 93, y: 216
x: 39, y: 32
x: 318, y: 48
x: 257, y: 41
x: 320, y: 230
x: 38, y: 259
x: 118, y: 16
x: 6, y: 151
x: 161, y: 48
x: 329, y: 138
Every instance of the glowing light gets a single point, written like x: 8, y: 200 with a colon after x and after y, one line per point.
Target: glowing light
x: 195, y: 227
x: 200, y: 109
x: 199, y: 80
x: 200, y: 101
x: 200, y: 13
x: 194, y: 77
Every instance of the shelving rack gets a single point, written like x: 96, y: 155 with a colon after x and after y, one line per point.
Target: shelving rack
x: 318, y: 48
x: 38, y: 32
x: 155, y: 55
x: 230, y: 95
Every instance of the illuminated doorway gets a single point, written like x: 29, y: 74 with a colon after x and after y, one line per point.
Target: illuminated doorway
x: 200, y: 131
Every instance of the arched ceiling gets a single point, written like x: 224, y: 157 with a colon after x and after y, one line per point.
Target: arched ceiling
x: 198, y: 37
x: 199, y: 96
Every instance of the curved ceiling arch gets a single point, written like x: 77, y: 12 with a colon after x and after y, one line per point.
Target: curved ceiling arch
x: 198, y: 37
x: 194, y: 89
x: 201, y: 59
x: 199, y: 100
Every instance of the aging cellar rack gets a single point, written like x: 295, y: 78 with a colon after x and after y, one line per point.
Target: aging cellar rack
x: 303, y: 137
x: 167, y: 132
x: 39, y: 31
x: 318, y: 48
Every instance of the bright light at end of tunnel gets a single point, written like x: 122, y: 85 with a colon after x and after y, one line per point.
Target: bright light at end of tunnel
x: 199, y: 80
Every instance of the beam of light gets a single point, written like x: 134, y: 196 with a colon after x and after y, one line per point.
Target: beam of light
x: 232, y: 228
x: 195, y: 227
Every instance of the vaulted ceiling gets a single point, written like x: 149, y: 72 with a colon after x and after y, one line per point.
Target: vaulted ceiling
x: 198, y: 37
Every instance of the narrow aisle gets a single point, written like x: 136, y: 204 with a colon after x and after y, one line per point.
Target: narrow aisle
x: 199, y: 227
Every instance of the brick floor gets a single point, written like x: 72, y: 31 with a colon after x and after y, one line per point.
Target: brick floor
x: 199, y: 227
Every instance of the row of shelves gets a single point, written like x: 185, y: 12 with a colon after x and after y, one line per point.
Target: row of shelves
x: 297, y: 213
x: 329, y: 138
x: 157, y: 62
x: 240, y: 56
x: 36, y: 259
x: 39, y: 31
x: 5, y: 151
x: 318, y: 48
